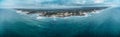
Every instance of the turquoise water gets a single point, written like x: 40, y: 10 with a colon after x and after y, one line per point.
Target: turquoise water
x: 104, y: 24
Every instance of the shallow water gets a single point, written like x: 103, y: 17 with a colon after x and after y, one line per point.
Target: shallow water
x: 104, y: 24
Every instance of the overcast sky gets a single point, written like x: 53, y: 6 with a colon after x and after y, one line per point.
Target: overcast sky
x: 32, y: 3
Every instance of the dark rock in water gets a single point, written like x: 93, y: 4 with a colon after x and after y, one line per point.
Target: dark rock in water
x: 61, y: 12
x: 104, y: 24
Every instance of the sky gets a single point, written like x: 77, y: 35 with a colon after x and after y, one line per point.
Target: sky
x: 51, y: 3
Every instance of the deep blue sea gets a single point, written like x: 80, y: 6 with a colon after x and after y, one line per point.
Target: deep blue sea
x: 104, y: 24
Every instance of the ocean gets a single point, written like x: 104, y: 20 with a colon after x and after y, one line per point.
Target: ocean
x: 103, y: 24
